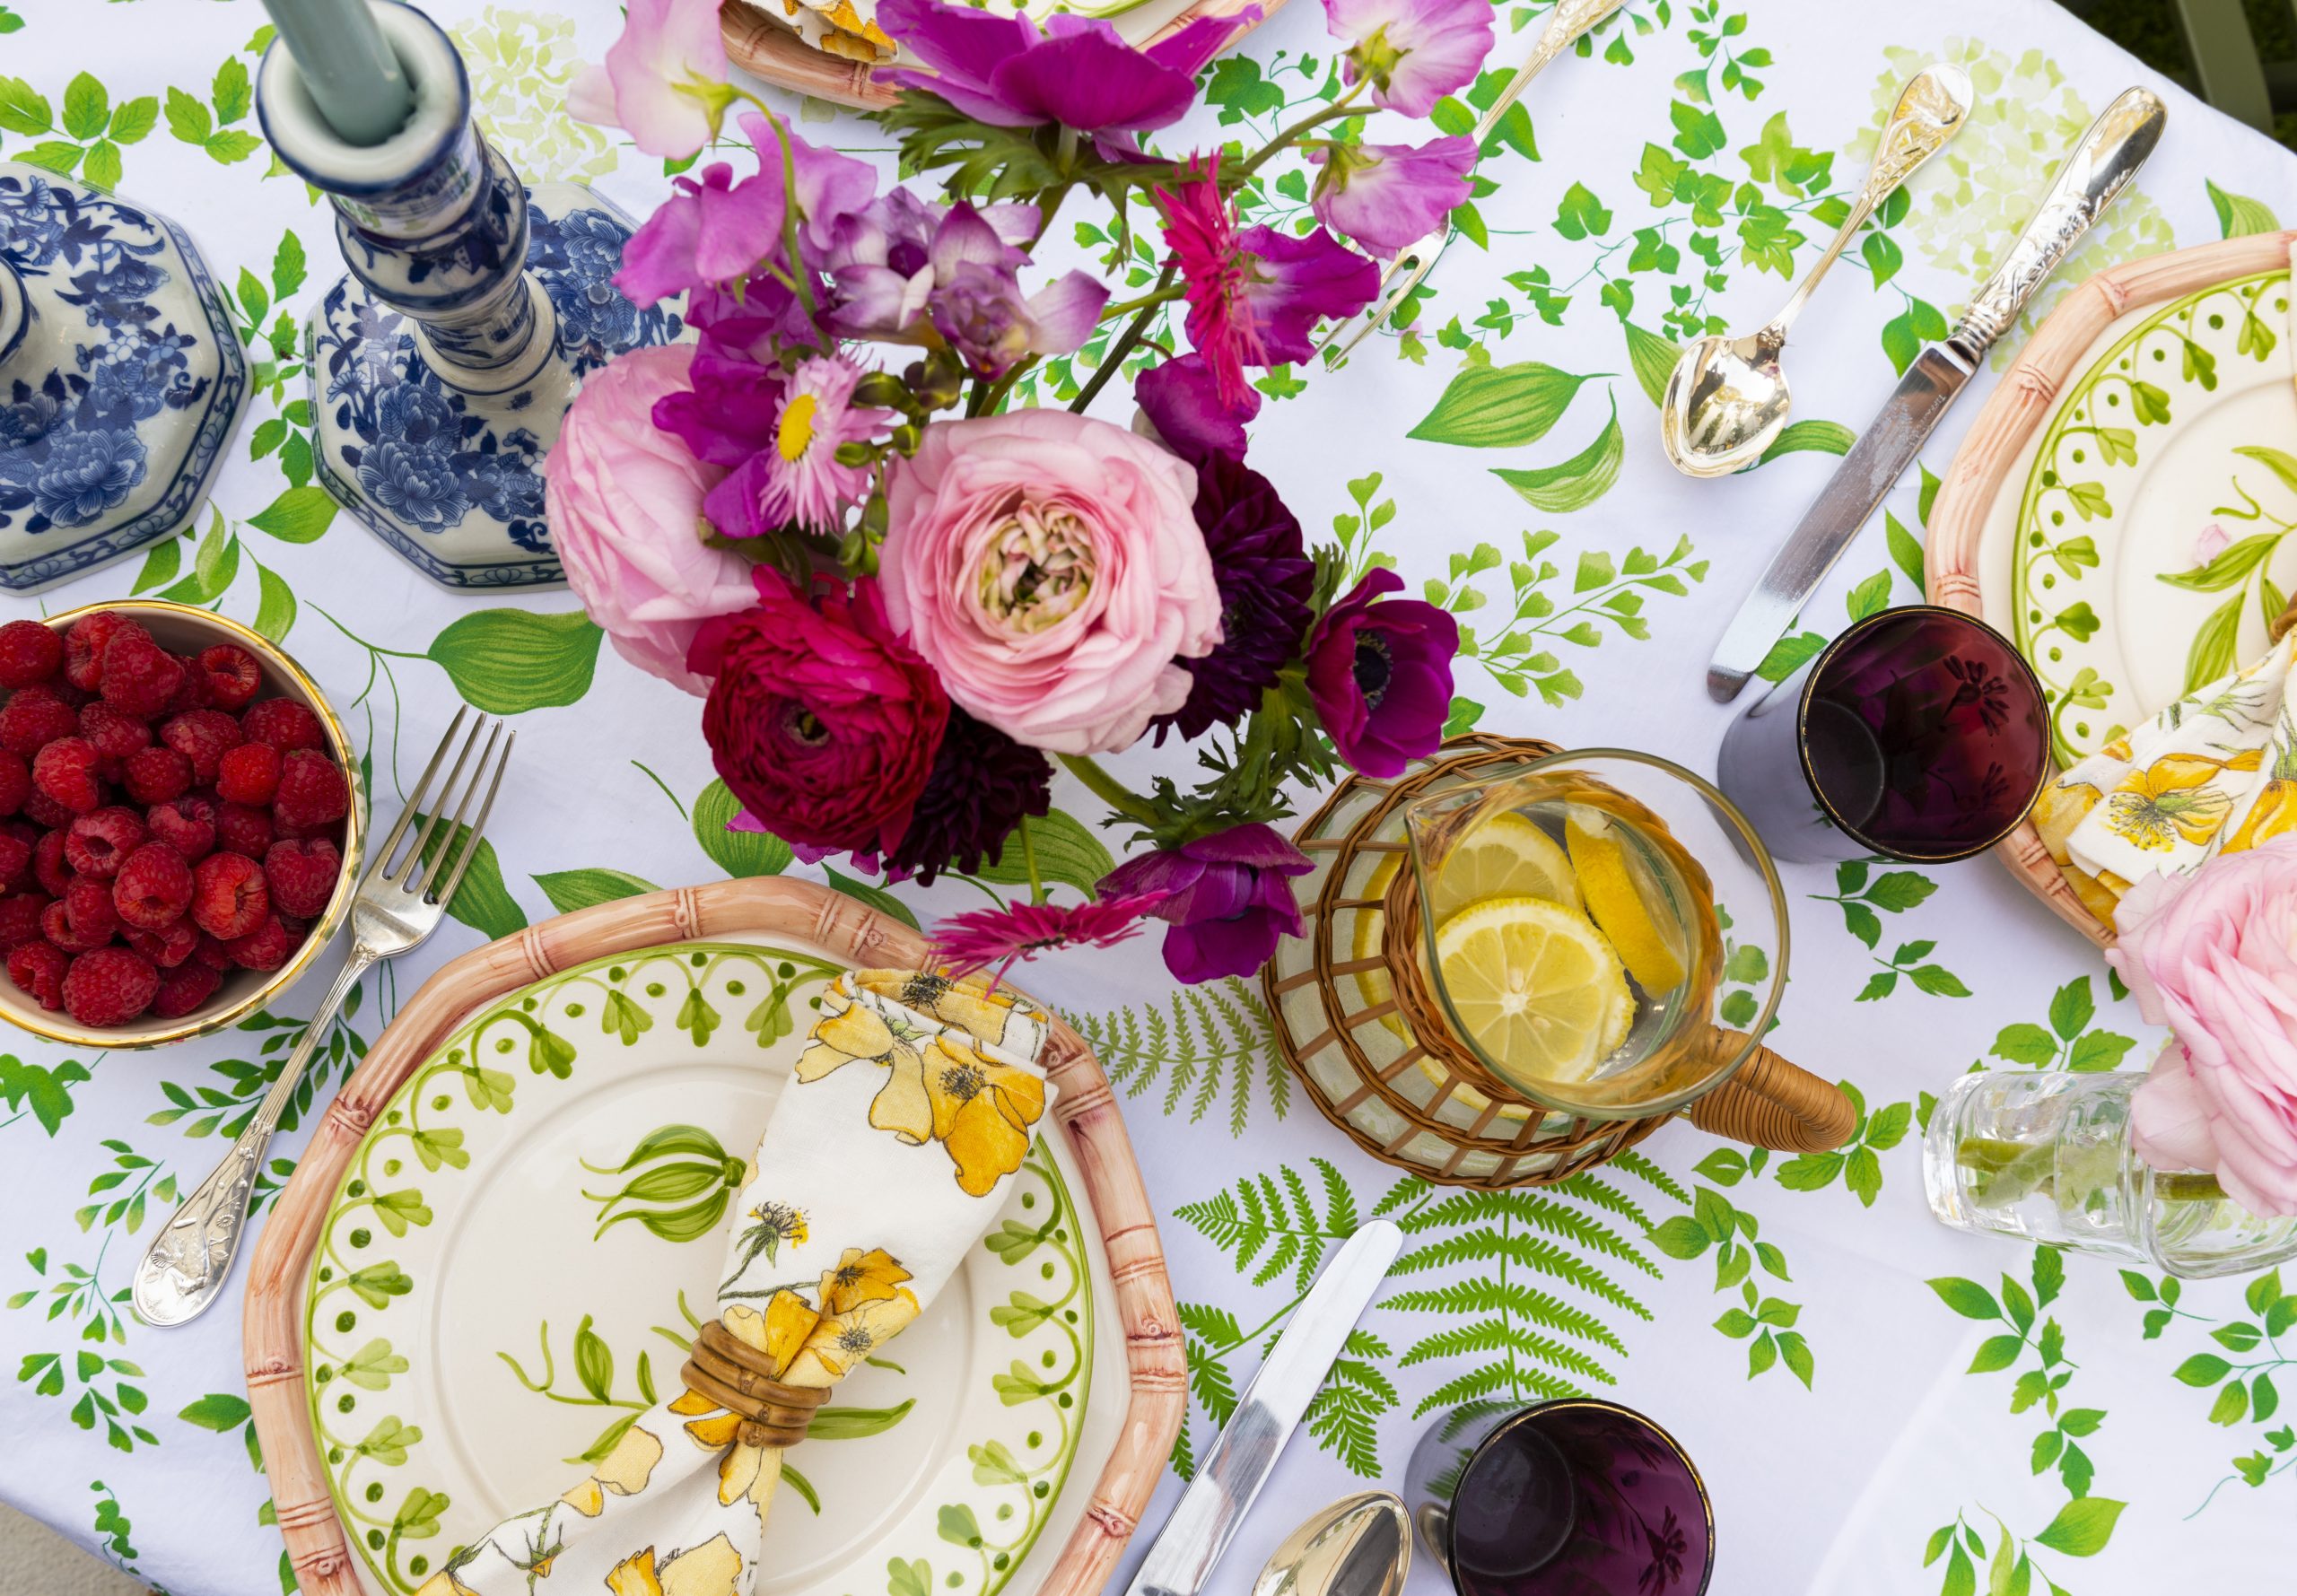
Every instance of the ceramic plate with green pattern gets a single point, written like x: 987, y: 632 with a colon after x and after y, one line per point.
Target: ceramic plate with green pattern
x: 513, y: 1264
x: 2144, y: 551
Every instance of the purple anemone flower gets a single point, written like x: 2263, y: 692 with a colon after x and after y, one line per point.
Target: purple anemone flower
x: 1228, y: 897
x: 1183, y: 403
x: 1076, y: 72
x: 1380, y: 675
x: 1385, y: 197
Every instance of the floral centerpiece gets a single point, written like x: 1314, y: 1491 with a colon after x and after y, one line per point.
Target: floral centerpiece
x: 904, y: 601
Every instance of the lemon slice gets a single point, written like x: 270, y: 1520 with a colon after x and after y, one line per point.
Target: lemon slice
x: 1607, y: 881
x: 1536, y: 986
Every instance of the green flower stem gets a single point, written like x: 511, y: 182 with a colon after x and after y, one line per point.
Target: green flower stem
x: 1286, y: 137
x: 1994, y: 1157
x: 1114, y: 361
x: 803, y: 289
x: 1162, y: 296
x: 1088, y: 769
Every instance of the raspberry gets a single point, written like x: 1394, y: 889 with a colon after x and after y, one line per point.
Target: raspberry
x: 109, y: 987
x: 55, y: 925
x: 188, y: 825
x: 139, y: 675
x: 66, y: 770
x: 228, y: 898
x: 112, y: 731
x: 20, y: 915
x: 231, y: 672
x: 47, y: 864
x: 183, y: 989
x: 203, y: 736
x: 170, y: 945
x: 45, y: 811
x: 152, y: 888
x: 268, y: 947
x: 29, y: 653
x: 87, y: 901
x: 34, y: 718
x: 301, y: 876
x: 311, y: 791
x: 242, y: 828
x: 15, y: 858
x: 38, y: 967
x: 284, y: 723
x: 191, y: 687
x: 85, y: 644
x: 97, y: 842
x: 155, y: 775
x: 211, y: 952
x: 248, y: 774
x: 15, y: 781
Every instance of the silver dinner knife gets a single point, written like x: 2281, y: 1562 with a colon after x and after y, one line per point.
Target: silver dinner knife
x: 1237, y: 1464
x: 2098, y: 168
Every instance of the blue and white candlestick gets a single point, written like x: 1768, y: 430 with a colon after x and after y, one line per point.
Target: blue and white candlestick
x: 442, y: 364
x: 120, y: 378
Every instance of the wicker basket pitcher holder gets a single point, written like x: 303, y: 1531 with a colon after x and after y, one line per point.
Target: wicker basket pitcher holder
x: 1369, y: 1042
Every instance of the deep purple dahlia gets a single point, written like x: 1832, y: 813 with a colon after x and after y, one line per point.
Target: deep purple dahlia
x: 1261, y: 563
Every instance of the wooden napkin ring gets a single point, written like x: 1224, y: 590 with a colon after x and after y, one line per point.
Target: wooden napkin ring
x: 2278, y: 627
x: 734, y: 1375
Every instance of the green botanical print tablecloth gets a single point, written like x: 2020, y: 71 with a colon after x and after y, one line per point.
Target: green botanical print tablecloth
x: 1879, y: 1405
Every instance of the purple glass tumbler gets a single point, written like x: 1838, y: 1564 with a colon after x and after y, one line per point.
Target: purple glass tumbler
x: 1919, y: 734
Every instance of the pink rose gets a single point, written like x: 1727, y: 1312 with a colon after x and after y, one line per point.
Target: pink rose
x: 625, y: 498
x: 2214, y: 955
x: 1049, y: 566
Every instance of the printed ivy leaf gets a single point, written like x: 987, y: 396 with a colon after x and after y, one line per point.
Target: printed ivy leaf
x: 189, y: 118
x: 2025, y: 1043
x: 1871, y: 597
x: 232, y: 145
x: 482, y: 902
x: 23, y: 108
x: 1821, y: 437
x: 301, y: 515
x: 736, y: 853
x: 45, y: 1092
x: 221, y: 1413
x: 1966, y: 1297
x: 1499, y: 407
x: 1579, y: 481
x: 87, y: 108
x: 1066, y: 851
x: 2081, y: 1528
x: 507, y: 662
x: 569, y: 890
x: 133, y: 120
x: 1789, y: 654
x: 2239, y: 215
x: 232, y: 92
x: 1581, y: 215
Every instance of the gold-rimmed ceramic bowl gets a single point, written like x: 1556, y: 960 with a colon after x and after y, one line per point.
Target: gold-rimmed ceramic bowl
x: 183, y: 629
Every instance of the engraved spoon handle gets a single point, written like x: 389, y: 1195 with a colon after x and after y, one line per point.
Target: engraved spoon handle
x: 1931, y: 109
x: 189, y: 1261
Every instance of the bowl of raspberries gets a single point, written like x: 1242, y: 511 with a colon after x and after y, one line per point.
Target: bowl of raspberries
x: 179, y: 830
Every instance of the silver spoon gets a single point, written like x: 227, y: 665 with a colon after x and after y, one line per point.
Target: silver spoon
x: 1359, y: 1545
x: 1409, y: 268
x: 1727, y: 399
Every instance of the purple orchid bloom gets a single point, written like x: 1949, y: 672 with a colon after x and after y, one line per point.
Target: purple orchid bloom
x: 1228, y: 897
x: 1289, y: 285
x: 1380, y: 676
x: 1414, y: 51
x: 1385, y: 197
x: 1182, y: 403
x: 1078, y: 72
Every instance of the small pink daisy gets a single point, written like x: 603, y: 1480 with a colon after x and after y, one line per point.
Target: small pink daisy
x: 1201, y: 229
x: 965, y: 943
x: 804, y: 482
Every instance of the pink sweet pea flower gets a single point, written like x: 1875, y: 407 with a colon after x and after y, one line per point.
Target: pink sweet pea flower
x: 710, y: 231
x: 664, y: 80
x: 1386, y: 196
x: 1414, y: 51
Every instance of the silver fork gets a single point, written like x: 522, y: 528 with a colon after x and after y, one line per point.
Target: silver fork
x: 395, y: 910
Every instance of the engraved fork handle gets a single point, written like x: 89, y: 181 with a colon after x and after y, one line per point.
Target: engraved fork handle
x: 1930, y: 110
x: 184, y: 1271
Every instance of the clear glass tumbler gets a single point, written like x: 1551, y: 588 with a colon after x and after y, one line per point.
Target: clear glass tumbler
x: 2046, y: 1156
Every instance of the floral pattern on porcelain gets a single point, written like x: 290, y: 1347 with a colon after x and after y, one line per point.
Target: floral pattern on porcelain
x: 118, y: 393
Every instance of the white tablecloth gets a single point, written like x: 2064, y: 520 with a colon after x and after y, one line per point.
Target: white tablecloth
x: 1841, y: 1435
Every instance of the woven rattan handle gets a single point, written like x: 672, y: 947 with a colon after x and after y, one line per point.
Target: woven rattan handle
x: 1772, y: 1103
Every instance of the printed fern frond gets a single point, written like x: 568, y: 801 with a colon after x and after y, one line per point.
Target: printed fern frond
x: 1534, y: 1253
x: 1216, y: 1326
x: 1513, y: 1297
x: 1495, y: 1379
x: 1498, y: 1338
x: 1534, y: 1208
x: 1602, y: 1195
x: 1202, y: 1042
x: 1404, y: 1192
x: 1636, y: 1164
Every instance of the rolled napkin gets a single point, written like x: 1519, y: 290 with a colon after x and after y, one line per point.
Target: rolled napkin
x: 889, y: 1155
x: 2214, y: 772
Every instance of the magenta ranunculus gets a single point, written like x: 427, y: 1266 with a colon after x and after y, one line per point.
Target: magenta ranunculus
x: 1386, y: 196
x: 1180, y: 400
x: 1228, y: 898
x: 998, y: 67
x: 821, y: 720
x: 623, y: 497
x: 1049, y: 566
x: 1414, y: 51
x: 2214, y: 955
x: 1380, y: 675
x: 664, y: 80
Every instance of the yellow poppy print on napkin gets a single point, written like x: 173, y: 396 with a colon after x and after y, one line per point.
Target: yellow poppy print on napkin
x: 911, y: 1105
x: 2214, y: 773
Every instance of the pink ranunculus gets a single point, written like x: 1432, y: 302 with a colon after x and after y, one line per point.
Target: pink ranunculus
x: 1050, y: 568
x: 2213, y: 955
x: 664, y: 80
x: 623, y: 498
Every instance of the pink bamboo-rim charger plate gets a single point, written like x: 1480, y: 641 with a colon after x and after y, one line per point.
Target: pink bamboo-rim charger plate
x: 1086, y: 1113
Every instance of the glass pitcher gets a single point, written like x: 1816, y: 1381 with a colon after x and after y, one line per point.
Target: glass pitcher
x: 1559, y: 936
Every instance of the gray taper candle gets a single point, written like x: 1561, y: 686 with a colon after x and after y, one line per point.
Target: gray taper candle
x: 354, y: 78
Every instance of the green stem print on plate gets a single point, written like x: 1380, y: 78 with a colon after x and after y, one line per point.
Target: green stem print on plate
x: 509, y: 1153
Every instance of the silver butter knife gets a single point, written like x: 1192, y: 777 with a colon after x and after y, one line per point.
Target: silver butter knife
x: 2100, y: 168
x: 1237, y: 1464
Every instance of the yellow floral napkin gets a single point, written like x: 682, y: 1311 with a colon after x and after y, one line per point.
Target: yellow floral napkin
x: 845, y: 28
x: 2214, y: 772
x: 887, y: 1156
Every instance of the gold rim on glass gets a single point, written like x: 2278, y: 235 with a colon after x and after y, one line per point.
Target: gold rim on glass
x: 322, y: 929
